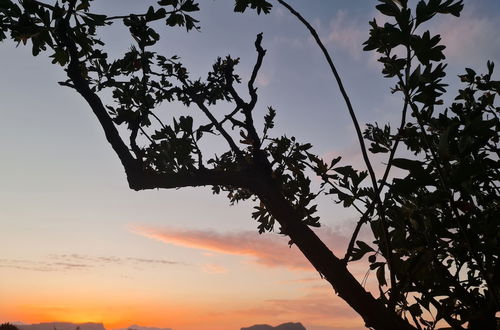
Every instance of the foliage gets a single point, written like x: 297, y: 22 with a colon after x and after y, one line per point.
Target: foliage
x: 8, y: 326
x: 436, y: 232
x: 442, y: 218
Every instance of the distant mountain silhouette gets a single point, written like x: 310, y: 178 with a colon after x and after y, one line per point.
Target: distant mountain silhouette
x: 61, y: 326
x: 284, y: 326
x: 138, y: 327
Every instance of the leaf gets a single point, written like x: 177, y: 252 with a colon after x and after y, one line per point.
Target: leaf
x: 364, y: 247
x: 388, y: 8
x: 360, y: 251
x: 186, y: 124
x: 415, y: 310
x: 260, y: 5
x: 60, y: 56
x: 344, y: 170
x: 83, y: 6
x: 97, y: 19
x: 377, y: 148
x: 422, y: 13
x: 191, y: 23
x: 490, y: 66
x: 335, y: 161
x: 407, y: 164
x: 153, y: 15
x: 168, y: 3
x: 175, y: 19
x: 190, y: 6
x: 381, y: 275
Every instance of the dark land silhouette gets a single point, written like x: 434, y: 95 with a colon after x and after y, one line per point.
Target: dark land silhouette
x: 61, y: 326
x: 284, y: 326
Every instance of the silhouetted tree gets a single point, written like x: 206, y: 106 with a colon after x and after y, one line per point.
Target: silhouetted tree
x: 436, y: 229
x: 8, y: 326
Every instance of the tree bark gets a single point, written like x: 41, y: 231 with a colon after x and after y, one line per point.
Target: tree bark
x: 334, y: 270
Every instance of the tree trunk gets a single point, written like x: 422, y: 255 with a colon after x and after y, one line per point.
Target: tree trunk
x: 333, y: 269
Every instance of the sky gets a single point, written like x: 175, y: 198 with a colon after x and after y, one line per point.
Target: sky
x: 76, y: 244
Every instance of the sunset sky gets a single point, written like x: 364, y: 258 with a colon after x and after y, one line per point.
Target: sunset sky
x: 76, y: 244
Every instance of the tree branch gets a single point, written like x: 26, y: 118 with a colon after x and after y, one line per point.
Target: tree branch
x: 219, y: 127
x: 81, y: 85
x: 213, y: 120
x: 364, y: 219
x: 324, y: 261
x: 384, y: 231
x: 195, y: 178
x: 341, y: 88
x: 247, y: 108
x: 260, y: 57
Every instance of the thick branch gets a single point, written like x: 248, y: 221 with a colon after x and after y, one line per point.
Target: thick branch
x: 195, y: 178
x: 326, y: 263
x: 81, y: 85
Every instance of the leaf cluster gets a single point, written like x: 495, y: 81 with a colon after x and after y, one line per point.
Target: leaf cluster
x: 440, y: 217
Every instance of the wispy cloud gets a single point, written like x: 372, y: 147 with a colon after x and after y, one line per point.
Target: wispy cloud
x: 269, y: 250
x: 111, y: 260
x: 153, y: 261
x: 346, y: 32
x: 77, y: 262
x: 471, y: 37
x: 41, y: 266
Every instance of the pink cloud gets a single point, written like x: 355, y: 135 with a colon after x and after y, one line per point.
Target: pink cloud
x: 470, y: 38
x: 264, y: 78
x: 319, y: 308
x: 269, y: 250
x: 347, y: 34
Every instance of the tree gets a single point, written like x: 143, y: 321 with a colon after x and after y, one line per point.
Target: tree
x: 8, y: 326
x: 436, y: 231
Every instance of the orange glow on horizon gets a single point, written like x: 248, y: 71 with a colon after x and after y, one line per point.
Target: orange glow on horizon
x: 178, y: 317
x: 171, y: 316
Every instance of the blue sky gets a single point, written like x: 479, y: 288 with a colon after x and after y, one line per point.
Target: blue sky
x: 64, y: 197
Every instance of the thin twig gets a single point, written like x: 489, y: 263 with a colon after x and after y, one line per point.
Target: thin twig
x: 212, y: 119
x: 354, y: 119
x: 364, y: 218
x: 341, y: 87
x: 261, y: 52
x: 147, y: 136
x: 247, y: 108
x: 158, y: 119
x: 219, y: 127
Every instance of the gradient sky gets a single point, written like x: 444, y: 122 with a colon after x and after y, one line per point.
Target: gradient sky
x: 78, y: 245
